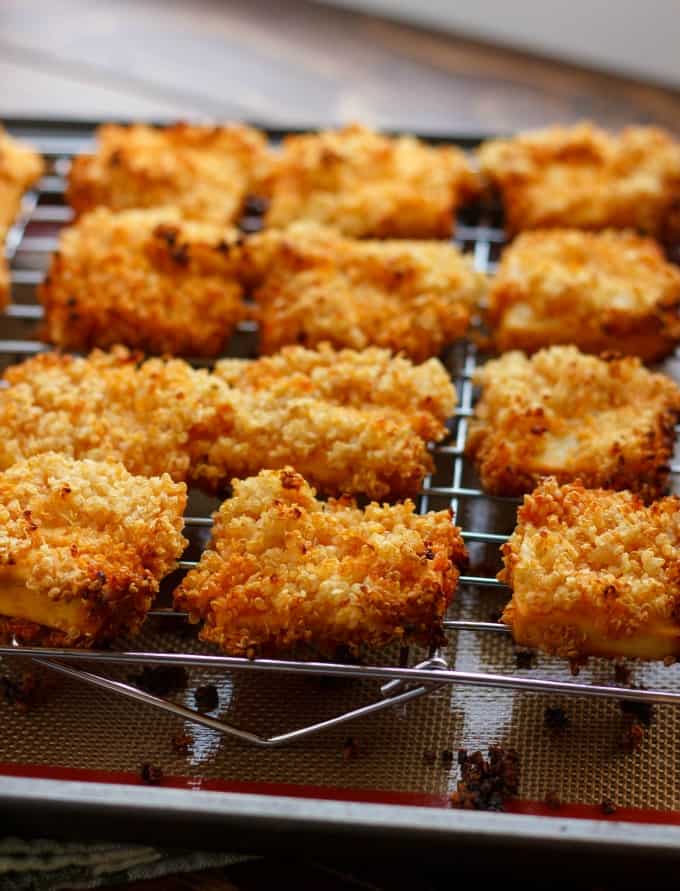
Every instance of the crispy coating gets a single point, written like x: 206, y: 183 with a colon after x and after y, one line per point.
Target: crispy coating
x: 423, y: 394
x: 206, y: 172
x: 600, y: 291
x: 313, y: 285
x: 83, y: 547
x: 166, y: 416
x: 283, y: 568
x: 368, y: 184
x: 582, y: 176
x: 145, y: 279
x: 160, y: 416
x: 20, y: 167
x: 594, y: 573
x: 608, y: 422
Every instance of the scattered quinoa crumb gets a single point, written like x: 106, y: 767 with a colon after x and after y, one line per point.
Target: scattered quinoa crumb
x: 486, y: 784
x: 150, y: 774
x: 607, y: 806
x: 206, y: 698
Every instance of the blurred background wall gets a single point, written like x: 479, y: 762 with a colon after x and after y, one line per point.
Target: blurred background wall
x: 628, y: 36
x: 305, y: 63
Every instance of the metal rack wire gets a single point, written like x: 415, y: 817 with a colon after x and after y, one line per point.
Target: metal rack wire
x: 44, y: 209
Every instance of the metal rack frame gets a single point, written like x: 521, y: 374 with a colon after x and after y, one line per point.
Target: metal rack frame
x: 400, y: 684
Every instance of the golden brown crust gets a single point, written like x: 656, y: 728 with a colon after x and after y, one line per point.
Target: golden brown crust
x: 583, y: 177
x: 594, y: 572
x: 608, y: 422
x: 154, y: 417
x: 204, y: 171
x: 313, y: 285
x: 600, y: 291
x: 284, y: 568
x: 367, y: 184
x: 20, y: 167
x: 166, y: 416
x: 423, y: 394
x: 145, y: 279
x: 85, y: 538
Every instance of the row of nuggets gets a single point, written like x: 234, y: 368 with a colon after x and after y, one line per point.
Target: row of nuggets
x: 284, y: 567
x: 349, y: 253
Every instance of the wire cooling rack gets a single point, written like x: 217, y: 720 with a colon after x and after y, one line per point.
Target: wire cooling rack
x: 479, y: 231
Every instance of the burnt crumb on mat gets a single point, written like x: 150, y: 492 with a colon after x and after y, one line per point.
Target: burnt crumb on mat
x: 181, y: 743
x: 161, y: 680
x: 637, y: 717
x: 555, y: 719
x: 607, y: 806
x: 486, y: 785
x: 429, y: 757
x: 636, y: 710
x: 622, y: 673
x: 150, y: 774
x: 26, y: 692
x: 446, y: 757
x: 552, y: 800
x: 631, y: 736
x: 350, y: 749
x: 206, y: 698
x: 524, y: 657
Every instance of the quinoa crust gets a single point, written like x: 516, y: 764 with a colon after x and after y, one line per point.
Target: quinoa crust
x: 594, y: 573
x: 582, y: 176
x: 284, y: 568
x: 423, y: 394
x: 608, y: 422
x: 367, y: 184
x: 313, y: 285
x: 145, y: 279
x: 206, y: 172
x: 600, y: 291
x: 86, y: 535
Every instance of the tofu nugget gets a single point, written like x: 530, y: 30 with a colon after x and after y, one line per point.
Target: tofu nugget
x: 608, y: 422
x: 423, y: 394
x: 83, y: 547
x: 594, y: 573
x: 20, y: 167
x: 283, y: 568
x: 145, y: 279
x: 206, y: 172
x: 582, y: 176
x: 599, y: 291
x: 368, y: 184
x: 153, y: 417
x: 166, y: 415
x: 313, y: 285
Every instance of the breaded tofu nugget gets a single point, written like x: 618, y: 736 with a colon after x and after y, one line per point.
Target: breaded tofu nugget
x: 145, y: 279
x: 83, y: 548
x: 313, y: 285
x: 608, y: 422
x: 157, y: 416
x: 367, y: 184
x: 20, y: 167
x: 423, y: 394
x: 583, y: 177
x: 206, y: 172
x: 167, y: 416
x: 599, y: 291
x: 594, y: 573
x: 283, y: 568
